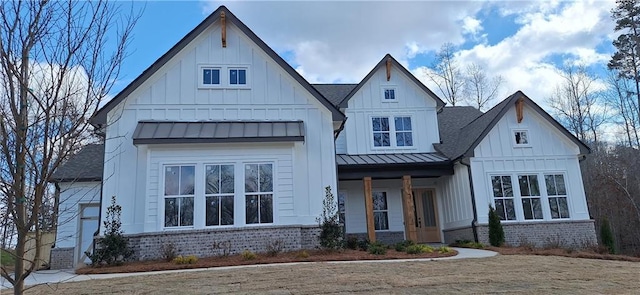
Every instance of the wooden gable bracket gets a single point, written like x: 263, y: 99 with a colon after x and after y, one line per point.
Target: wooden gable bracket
x: 388, y: 69
x: 520, y: 109
x: 223, y: 28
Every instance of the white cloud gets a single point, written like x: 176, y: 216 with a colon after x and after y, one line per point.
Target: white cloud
x: 342, y: 41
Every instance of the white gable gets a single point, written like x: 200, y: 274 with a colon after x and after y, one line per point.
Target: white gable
x: 369, y: 101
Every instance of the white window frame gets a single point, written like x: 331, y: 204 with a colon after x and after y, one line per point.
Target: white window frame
x: 385, y: 211
x: 383, y: 90
x: 344, y: 197
x: 219, y: 195
x: 531, y: 197
x: 503, y: 198
x: 544, y: 195
x: 164, y: 196
x: 558, y: 196
x: 259, y: 193
x: 225, y: 72
x: 514, y: 132
x: 392, y: 132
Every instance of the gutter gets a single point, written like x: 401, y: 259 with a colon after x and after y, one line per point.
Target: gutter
x: 474, y: 223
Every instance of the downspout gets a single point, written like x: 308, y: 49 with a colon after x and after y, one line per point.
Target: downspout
x: 474, y: 223
x: 97, y: 233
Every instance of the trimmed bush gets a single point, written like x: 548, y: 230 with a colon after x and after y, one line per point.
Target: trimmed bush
x: 302, y: 254
x: 377, y: 248
x: 352, y: 243
x: 402, y: 246
x: 191, y: 259
x: 444, y: 249
x: 607, y: 236
x: 496, y: 233
x: 419, y: 249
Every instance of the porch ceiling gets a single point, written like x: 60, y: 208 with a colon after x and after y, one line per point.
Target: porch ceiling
x: 390, y: 166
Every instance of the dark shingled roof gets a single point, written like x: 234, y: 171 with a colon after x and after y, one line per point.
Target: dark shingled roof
x: 86, y: 165
x: 335, y: 93
x: 161, y: 132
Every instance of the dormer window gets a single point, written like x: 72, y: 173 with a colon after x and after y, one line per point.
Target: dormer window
x: 389, y: 94
x: 521, y: 137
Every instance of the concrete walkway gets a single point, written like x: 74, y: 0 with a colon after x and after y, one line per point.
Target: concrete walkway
x: 68, y: 275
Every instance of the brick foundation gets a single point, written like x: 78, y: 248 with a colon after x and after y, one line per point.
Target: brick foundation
x: 574, y: 234
x: 201, y: 242
x: 386, y: 237
x: 458, y: 234
x: 62, y: 258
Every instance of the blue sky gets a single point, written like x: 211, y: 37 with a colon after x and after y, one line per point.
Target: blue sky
x: 526, y: 42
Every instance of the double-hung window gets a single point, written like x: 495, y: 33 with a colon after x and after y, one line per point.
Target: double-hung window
x: 380, y: 211
x: 503, y: 197
x: 258, y: 186
x: 530, y: 193
x: 381, y: 131
x: 341, y: 207
x: 219, y: 194
x: 392, y: 131
x: 179, y: 191
x: 557, y: 193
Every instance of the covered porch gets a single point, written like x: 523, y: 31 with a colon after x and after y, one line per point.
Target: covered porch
x: 391, y: 197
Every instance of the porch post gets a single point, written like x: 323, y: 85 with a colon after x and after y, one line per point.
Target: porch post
x: 368, y: 202
x: 409, y: 209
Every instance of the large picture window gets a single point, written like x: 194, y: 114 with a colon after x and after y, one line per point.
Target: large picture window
x: 219, y: 194
x: 503, y: 197
x: 258, y: 185
x: 179, y: 185
x: 557, y: 195
x: 380, y: 211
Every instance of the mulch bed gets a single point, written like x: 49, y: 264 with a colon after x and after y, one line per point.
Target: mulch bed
x: 561, y: 252
x: 233, y: 260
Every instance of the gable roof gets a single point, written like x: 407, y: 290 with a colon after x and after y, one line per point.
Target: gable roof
x: 460, y: 142
x: 100, y: 117
x: 439, y: 102
x: 86, y: 165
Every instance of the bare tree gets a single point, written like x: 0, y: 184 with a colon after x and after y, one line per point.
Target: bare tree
x: 58, y: 61
x: 578, y: 104
x: 446, y: 74
x: 480, y: 90
x: 620, y: 97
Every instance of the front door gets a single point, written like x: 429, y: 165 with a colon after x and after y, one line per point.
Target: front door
x: 426, y: 213
x: 88, y: 225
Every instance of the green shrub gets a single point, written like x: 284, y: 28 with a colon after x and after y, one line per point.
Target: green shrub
x: 331, y: 234
x: 402, y: 246
x: 363, y: 245
x: 607, y: 236
x: 352, y: 243
x: 113, y: 248
x: 444, y: 249
x: 377, y: 248
x: 191, y: 259
x: 418, y: 249
x: 467, y: 244
x: 248, y: 255
x: 496, y: 233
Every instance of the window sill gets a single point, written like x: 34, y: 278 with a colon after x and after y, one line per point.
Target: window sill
x: 222, y: 87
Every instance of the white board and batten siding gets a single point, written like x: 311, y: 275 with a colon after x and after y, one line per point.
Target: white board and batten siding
x: 368, y: 102
x: 548, y: 152
x: 454, y: 192
x: 72, y: 197
x: 172, y: 93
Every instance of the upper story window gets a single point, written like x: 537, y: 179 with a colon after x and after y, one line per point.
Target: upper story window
x: 392, y: 131
x: 210, y: 76
x: 223, y: 76
x: 388, y: 94
x: 521, y: 137
x: 237, y: 76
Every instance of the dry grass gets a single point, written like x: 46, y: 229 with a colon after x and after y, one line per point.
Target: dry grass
x: 522, y: 274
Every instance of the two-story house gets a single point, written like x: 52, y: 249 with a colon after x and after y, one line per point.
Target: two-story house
x: 220, y: 140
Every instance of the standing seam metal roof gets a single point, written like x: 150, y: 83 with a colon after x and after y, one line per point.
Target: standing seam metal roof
x: 157, y: 132
x: 386, y: 159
